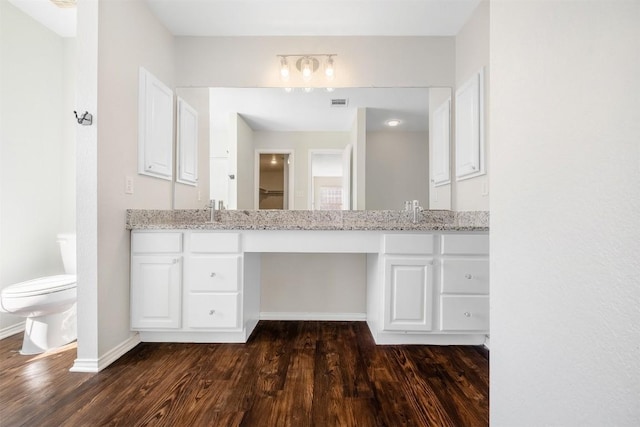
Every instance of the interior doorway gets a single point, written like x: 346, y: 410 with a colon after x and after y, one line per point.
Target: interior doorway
x: 274, y: 174
x: 330, y: 179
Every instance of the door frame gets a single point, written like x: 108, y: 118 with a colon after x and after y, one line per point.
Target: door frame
x: 256, y: 174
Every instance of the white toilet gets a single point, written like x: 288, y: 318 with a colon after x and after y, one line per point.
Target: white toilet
x: 48, y: 303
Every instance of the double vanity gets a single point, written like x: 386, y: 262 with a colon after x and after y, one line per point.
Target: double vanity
x: 195, y: 274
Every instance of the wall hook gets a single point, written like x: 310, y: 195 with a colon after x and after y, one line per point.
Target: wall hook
x: 86, y: 119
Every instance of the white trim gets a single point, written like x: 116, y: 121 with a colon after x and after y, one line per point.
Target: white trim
x: 97, y: 365
x: 345, y: 317
x: 486, y: 342
x: 12, y: 330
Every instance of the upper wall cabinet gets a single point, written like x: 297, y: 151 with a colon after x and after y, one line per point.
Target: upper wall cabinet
x: 187, y: 144
x: 470, y: 128
x: 155, y: 127
x: 440, y: 162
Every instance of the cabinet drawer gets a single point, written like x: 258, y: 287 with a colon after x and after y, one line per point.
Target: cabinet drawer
x: 465, y: 276
x: 217, y: 273
x: 408, y: 244
x: 464, y: 313
x: 213, y: 310
x: 212, y: 242
x: 465, y: 244
x: 157, y: 243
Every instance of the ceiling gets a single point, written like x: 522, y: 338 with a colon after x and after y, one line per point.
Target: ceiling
x: 285, y: 17
x: 274, y: 109
x: 313, y: 17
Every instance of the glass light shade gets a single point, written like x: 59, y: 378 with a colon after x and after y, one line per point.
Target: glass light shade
x: 284, y: 70
x: 307, y: 69
x: 329, y: 69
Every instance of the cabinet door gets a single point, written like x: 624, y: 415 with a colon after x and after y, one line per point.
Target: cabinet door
x: 440, y: 162
x: 408, y: 302
x: 187, y: 143
x: 469, y: 109
x: 155, y: 127
x: 155, y: 292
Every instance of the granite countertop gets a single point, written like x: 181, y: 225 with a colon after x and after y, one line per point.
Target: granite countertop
x: 199, y: 219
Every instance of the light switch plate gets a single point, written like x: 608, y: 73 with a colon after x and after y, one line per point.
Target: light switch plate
x: 128, y: 186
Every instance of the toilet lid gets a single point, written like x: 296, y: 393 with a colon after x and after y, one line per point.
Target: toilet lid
x: 43, y: 285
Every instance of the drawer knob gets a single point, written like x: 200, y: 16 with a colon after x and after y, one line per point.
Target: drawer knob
x: 468, y: 276
x: 467, y: 314
x: 213, y: 275
x: 211, y: 312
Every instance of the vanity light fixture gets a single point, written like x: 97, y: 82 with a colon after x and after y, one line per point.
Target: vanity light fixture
x: 307, y: 65
x: 393, y: 123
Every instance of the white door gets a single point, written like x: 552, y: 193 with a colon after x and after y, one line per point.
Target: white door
x: 408, y: 302
x: 155, y: 292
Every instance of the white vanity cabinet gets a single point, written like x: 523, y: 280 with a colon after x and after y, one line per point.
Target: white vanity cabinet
x: 464, y: 283
x: 156, y: 280
x: 188, y: 286
x: 422, y: 287
x: 429, y: 288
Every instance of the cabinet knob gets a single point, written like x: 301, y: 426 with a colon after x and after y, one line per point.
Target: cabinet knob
x: 175, y: 260
x: 467, y: 314
x: 212, y: 275
x: 468, y: 276
x: 211, y: 312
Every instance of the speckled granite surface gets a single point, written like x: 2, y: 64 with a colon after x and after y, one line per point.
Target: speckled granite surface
x: 199, y: 219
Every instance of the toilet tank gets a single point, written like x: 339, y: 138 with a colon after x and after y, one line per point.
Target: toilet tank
x: 67, y: 242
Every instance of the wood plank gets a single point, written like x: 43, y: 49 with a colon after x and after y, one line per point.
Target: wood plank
x: 287, y: 374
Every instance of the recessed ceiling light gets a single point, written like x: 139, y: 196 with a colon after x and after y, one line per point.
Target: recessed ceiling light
x: 393, y: 122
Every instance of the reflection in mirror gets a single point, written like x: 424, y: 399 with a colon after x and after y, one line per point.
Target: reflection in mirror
x: 385, y: 165
x: 273, y: 180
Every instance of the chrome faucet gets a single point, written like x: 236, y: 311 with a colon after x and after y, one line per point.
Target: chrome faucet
x: 416, y: 209
x: 212, y: 209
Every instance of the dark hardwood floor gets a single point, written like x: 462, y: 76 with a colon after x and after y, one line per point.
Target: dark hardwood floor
x: 288, y: 374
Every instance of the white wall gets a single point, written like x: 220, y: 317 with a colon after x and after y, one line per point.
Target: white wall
x: 565, y: 204
x: 397, y: 169
x: 302, y: 284
x: 472, y: 54
x: 37, y: 183
x: 360, y: 61
x: 129, y: 36
x: 301, y: 143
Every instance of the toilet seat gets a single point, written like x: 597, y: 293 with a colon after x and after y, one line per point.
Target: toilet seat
x: 41, y: 286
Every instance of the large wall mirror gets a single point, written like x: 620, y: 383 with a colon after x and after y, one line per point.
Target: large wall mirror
x: 350, y: 148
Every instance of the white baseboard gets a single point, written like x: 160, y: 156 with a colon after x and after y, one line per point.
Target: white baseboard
x: 344, y: 317
x: 486, y: 342
x: 97, y: 365
x: 11, y: 330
